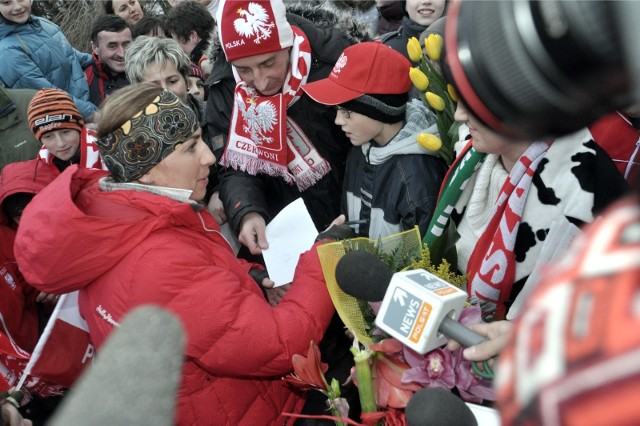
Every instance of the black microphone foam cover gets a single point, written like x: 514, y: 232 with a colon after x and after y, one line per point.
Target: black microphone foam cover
x: 134, y: 379
x: 433, y: 406
x: 362, y: 275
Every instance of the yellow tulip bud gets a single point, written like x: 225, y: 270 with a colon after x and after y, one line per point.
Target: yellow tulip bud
x: 452, y: 93
x: 435, y: 101
x: 429, y: 141
x: 414, y: 49
x: 419, y: 79
x: 433, y: 44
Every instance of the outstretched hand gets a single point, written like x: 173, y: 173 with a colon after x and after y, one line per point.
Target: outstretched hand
x: 253, y: 233
x: 274, y: 294
x: 336, y: 231
x: 497, y: 334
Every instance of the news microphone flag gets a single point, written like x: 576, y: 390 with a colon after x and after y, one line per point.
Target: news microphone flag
x: 64, y: 349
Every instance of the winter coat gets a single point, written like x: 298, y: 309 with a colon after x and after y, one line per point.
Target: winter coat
x: 391, y: 15
x: 394, y: 186
x: 242, y: 193
x: 398, y: 39
x: 36, y: 55
x: 362, y: 10
x: 17, y: 142
x: 123, y: 248
x: 17, y: 299
x: 575, y: 181
x: 102, y: 81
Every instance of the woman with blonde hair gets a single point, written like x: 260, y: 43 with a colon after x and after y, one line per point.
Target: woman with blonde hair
x: 140, y: 235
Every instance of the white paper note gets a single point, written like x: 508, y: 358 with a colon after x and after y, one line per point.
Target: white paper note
x: 289, y: 234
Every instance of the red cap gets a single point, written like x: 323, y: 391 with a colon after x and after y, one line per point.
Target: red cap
x: 249, y: 28
x: 196, y: 71
x: 368, y: 68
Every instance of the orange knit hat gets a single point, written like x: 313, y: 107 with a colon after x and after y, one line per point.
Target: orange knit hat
x: 53, y: 109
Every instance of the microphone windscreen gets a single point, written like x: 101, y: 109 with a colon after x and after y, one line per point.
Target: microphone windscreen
x: 433, y: 406
x: 135, y: 376
x: 362, y: 275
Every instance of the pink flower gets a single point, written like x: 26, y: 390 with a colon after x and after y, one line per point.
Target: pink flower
x: 471, y: 387
x: 434, y: 369
x: 470, y: 315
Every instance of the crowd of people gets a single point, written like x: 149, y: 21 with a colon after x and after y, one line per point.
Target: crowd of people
x: 118, y: 168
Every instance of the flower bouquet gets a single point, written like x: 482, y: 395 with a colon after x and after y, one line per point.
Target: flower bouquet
x: 436, y: 94
x: 386, y: 372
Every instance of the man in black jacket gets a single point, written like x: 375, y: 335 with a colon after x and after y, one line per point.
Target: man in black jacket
x: 281, y: 145
x: 110, y: 38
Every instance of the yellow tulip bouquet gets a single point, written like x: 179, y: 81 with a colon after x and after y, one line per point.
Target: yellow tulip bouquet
x: 437, y: 95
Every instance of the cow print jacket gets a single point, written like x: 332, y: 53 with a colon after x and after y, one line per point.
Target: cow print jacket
x: 573, y: 183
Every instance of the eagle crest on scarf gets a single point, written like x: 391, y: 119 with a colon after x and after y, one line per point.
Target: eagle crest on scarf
x: 259, y: 119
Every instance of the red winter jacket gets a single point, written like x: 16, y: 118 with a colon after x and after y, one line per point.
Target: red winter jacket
x: 126, y: 248
x: 17, y: 298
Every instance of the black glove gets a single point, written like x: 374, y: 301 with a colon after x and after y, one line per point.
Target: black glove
x: 336, y: 233
x: 258, y: 275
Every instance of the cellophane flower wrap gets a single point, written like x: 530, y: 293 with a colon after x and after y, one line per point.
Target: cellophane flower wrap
x: 435, y: 93
x: 386, y: 372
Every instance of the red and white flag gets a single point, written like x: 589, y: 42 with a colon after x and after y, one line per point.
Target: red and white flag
x: 13, y: 361
x: 64, y: 349
x: 12, y: 357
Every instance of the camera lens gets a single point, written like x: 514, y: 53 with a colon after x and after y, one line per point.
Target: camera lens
x: 529, y: 68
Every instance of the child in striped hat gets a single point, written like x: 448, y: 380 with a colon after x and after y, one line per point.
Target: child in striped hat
x: 196, y: 83
x: 56, y: 122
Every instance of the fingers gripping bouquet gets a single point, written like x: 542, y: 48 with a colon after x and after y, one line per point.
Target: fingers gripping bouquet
x: 386, y: 372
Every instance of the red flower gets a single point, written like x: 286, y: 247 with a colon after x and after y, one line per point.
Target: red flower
x: 392, y: 417
x: 387, y: 375
x: 308, y: 371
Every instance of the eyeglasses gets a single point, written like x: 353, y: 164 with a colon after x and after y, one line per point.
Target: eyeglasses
x: 344, y: 112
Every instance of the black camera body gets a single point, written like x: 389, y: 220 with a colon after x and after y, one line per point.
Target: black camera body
x: 536, y: 68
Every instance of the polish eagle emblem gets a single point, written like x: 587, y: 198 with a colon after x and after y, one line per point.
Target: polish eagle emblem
x: 253, y: 21
x: 259, y: 120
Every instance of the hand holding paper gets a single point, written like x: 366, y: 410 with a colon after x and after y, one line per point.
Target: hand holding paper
x: 290, y: 234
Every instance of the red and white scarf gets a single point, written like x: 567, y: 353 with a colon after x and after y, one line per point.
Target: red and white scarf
x: 492, y: 264
x: 89, y: 154
x: 262, y: 139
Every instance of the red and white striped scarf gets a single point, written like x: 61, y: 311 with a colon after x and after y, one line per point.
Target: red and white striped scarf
x: 492, y: 264
x: 89, y: 154
x: 262, y: 139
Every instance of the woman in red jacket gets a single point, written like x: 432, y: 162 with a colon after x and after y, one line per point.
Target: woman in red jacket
x: 140, y: 235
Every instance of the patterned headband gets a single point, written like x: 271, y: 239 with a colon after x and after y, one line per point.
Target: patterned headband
x: 147, y: 138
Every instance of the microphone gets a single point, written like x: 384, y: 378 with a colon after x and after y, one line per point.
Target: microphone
x: 431, y: 406
x: 418, y: 308
x: 135, y: 377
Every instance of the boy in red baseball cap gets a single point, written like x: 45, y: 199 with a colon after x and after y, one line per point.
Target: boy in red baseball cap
x: 390, y: 180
